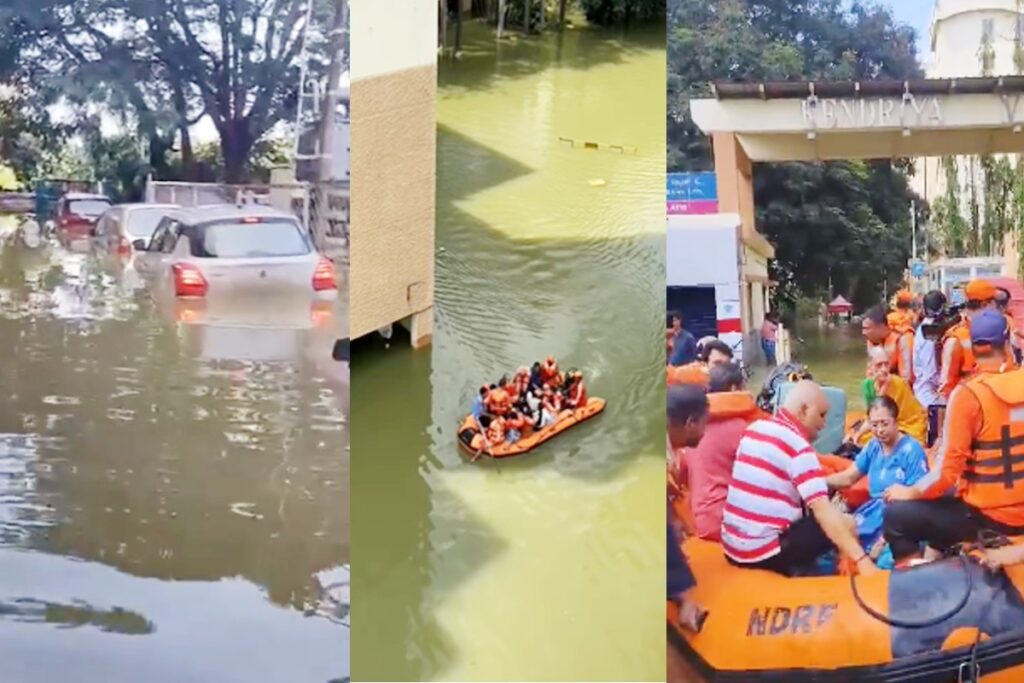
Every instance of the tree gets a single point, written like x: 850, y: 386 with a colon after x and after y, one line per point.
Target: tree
x: 172, y: 61
x: 848, y: 220
x: 611, y: 12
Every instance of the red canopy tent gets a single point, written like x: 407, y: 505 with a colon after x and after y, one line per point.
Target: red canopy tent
x: 840, y: 305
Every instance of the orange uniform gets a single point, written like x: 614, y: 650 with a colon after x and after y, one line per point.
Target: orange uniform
x: 692, y: 373
x: 498, y: 401
x: 957, y: 361
x: 899, y: 347
x: 982, y: 451
x: 578, y: 394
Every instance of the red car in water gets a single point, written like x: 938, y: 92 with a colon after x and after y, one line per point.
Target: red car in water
x: 77, y: 214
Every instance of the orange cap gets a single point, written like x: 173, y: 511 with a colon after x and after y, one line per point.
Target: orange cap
x: 904, y: 296
x: 980, y: 290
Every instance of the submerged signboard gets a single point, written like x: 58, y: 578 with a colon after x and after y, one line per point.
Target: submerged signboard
x: 691, y: 193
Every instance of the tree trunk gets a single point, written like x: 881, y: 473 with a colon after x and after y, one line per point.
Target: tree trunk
x: 561, y: 14
x: 458, y: 28
x: 526, y: 16
x: 543, y: 6
x: 235, y: 147
x: 501, y: 18
x: 188, y: 158
x: 442, y: 6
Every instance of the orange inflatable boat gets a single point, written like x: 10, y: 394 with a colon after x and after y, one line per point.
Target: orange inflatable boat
x: 934, y: 623
x: 566, y: 419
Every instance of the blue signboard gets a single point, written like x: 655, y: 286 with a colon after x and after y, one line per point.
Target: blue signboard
x: 691, y: 187
x: 917, y: 268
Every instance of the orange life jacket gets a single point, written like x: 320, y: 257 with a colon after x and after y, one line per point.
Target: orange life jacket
x: 496, y: 431
x: 578, y: 394
x: 548, y: 372
x: 728, y: 404
x: 498, y: 400
x: 692, y: 373
x: 993, y: 479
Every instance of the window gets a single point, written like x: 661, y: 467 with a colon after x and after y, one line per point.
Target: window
x: 165, y: 236
x: 268, y: 238
x: 88, y: 208
x: 143, y: 222
x: 988, y: 30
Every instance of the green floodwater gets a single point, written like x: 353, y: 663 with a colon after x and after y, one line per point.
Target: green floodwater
x: 550, y: 566
x: 836, y: 357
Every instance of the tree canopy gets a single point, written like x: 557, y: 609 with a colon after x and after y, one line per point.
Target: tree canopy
x: 846, y: 221
x: 163, y: 64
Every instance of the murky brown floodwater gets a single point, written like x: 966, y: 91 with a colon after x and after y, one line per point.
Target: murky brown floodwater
x: 173, y: 495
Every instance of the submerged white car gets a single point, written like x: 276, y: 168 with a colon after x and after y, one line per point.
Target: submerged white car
x: 250, y: 250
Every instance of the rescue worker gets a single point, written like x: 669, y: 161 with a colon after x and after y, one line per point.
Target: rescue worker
x: 577, y: 395
x: 549, y: 375
x: 480, y: 402
x: 903, y: 314
x: 982, y: 442
x: 498, y: 401
x: 898, y: 342
x: 521, y: 380
x: 1003, y: 306
x: 957, y: 360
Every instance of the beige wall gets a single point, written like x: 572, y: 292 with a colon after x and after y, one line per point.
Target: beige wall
x: 394, y: 89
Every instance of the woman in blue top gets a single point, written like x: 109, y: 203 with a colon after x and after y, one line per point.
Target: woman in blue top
x: 891, y: 457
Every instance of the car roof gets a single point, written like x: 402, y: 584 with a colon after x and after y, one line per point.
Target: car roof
x: 85, y: 195
x: 142, y: 205
x: 209, y: 213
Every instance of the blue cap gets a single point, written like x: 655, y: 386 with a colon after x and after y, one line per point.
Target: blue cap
x: 988, y: 327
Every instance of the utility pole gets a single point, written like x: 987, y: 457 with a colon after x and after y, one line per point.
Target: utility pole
x: 913, y: 230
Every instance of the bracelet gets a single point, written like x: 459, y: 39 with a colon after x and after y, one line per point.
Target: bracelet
x: 862, y: 557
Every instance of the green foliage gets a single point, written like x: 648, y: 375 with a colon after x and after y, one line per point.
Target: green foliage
x: 615, y: 12
x: 850, y: 220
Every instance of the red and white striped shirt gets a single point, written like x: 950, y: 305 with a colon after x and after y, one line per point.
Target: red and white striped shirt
x: 776, y: 469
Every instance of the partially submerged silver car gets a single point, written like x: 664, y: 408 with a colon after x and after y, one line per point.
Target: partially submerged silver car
x: 248, y: 250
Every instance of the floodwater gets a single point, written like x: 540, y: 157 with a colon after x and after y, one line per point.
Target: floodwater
x: 173, y: 493
x: 836, y: 356
x: 550, y: 566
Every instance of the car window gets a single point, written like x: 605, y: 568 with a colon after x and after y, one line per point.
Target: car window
x: 101, y: 225
x: 158, y: 235
x: 142, y: 223
x: 87, y: 208
x: 170, y: 236
x: 266, y: 238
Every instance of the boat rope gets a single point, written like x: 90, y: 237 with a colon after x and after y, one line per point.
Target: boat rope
x: 904, y: 623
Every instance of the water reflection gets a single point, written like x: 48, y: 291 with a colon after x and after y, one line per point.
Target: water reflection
x: 130, y: 441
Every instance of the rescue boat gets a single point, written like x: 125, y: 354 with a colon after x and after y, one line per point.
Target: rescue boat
x: 936, y: 622
x: 566, y: 419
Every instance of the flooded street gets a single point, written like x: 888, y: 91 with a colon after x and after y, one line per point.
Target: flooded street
x: 173, y: 484
x: 549, y: 566
x: 836, y: 356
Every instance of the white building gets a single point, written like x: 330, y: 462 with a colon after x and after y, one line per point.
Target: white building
x: 959, y: 29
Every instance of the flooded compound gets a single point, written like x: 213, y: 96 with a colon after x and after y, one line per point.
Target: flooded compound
x: 173, y: 481
x: 515, y: 569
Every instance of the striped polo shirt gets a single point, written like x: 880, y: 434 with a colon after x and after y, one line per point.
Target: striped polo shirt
x: 775, y: 473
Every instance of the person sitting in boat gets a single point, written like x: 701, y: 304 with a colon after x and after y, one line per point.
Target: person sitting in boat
x: 480, y: 402
x: 980, y: 453
x: 535, y: 376
x: 515, y: 423
x: 549, y: 374
x: 897, y: 342
x: 713, y: 351
x: 891, y: 457
x: 775, y: 475
x: 687, y: 413
x: 498, y: 400
x: 510, y: 389
x: 496, y: 431
x: 708, y: 465
x: 521, y: 381
x: 530, y: 406
x: 576, y: 392
x: 913, y: 418
x: 550, y: 406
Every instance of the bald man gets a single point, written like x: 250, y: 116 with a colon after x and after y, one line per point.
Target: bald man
x: 775, y: 477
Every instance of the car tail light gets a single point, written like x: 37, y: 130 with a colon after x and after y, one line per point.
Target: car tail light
x: 188, y: 281
x: 324, y: 277
x: 124, y: 246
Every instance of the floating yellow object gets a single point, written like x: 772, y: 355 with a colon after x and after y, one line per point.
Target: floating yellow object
x: 597, y: 182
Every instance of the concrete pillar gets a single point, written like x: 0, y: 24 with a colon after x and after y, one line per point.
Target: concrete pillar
x: 394, y: 133
x: 735, y: 180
